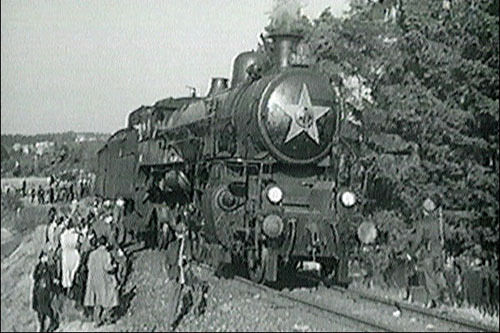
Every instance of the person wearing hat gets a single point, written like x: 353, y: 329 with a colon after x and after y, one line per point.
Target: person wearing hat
x: 102, y: 287
x: 104, y: 226
x: 426, y: 246
x: 44, y: 293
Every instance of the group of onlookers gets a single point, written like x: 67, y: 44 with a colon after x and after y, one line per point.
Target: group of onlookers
x: 419, y: 259
x: 81, y: 260
x: 57, y: 191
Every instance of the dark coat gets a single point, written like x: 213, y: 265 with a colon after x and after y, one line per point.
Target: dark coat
x: 44, y: 289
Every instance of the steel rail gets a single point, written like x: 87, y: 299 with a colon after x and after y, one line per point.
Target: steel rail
x: 353, y: 318
x: 416, y: 309
x: 409, y: 307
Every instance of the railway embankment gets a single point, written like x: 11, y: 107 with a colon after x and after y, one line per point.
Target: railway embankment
x: 229, y: 306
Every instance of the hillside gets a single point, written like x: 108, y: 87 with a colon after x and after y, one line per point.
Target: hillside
x: 46, y: 154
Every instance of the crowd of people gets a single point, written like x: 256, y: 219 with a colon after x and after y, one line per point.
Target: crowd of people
x: 57, y: 190
x: 82, y: 259
x: 416, y: 261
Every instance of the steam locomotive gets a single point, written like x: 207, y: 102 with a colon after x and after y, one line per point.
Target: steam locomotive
x: 260, y: 164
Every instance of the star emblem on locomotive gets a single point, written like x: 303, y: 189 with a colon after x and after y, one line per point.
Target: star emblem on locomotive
x: 304, y: 116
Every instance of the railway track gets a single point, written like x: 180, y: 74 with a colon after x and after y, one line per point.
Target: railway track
x: 366, y: 322
x: 460, y: 323
x: 358, y: 321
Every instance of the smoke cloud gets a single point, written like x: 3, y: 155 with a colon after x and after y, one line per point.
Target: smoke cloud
x: 285, y: 17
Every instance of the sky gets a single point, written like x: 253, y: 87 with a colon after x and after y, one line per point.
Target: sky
x: 83, y: 66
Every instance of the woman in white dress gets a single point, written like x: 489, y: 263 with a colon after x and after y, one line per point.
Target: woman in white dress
x: 70, y: 255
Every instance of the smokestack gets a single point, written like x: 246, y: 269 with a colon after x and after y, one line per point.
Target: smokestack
x: 283, y: 46
x: 218, y: 84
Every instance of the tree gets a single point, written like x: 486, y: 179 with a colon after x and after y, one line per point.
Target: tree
x: 431, y: 125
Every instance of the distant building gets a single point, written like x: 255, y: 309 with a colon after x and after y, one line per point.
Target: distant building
x: 27, y: 149
x: 83, y: 137
x: 44, y: 147
x: 17, y: 147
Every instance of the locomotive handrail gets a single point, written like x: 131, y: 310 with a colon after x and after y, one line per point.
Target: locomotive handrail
x: 292, y: 239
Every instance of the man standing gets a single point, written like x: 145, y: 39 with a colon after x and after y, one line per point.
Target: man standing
x: 23, y: 189
x: 71, y: 192
x: 41, y: 194
x: 174, y: 267
x: 51, y: 194
x: 102, y: 287
x: 428, y: 249
x: 118, y: 213
x: 79, y: 189
x: 33, y: 194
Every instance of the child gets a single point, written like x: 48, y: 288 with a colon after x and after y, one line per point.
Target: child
x: 44, y: 291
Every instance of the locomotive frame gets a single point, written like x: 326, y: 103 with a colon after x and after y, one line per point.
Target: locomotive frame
x: 259, y: 170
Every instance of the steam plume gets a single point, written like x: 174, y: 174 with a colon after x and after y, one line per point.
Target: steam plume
x: 285, y: 17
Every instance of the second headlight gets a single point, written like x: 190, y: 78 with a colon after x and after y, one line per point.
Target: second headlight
x: 348, y: 199
x: 274, y: 194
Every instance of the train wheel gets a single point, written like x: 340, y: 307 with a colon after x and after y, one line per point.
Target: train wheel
x: 256, y: 264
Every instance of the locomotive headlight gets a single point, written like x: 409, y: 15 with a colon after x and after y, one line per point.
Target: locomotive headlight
x: 274, y: 194
x: 272, y: 226
x: 348, y: 199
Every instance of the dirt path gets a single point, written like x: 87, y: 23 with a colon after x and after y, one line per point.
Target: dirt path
x: 16, y: 287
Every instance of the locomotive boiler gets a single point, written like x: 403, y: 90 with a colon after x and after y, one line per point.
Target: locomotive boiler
x: 258, y: 166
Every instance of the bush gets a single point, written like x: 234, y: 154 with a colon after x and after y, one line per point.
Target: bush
x: 17, y: 218
x: 10, y: 202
